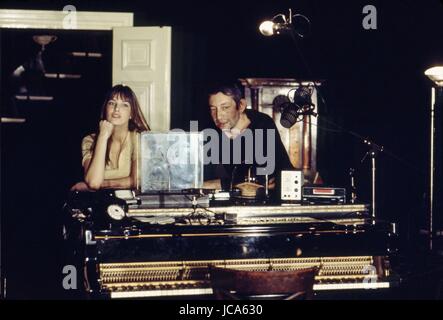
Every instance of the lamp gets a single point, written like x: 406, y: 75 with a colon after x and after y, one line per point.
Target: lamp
x: 297, y: 23
x: 43, y: 40
x: 435, y: 74
x: 27, y: 77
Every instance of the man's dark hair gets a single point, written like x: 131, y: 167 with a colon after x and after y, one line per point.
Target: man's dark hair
x: 232, y: 89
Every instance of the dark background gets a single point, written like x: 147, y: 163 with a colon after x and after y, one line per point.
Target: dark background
x: 374, y: 86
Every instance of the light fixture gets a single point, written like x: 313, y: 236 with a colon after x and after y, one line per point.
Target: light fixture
x: 267, y: 28
x: 297, y: 23
x: 27, y: 77
x: 278, y: 24
x: 435, y: 74
x: 44, y: 40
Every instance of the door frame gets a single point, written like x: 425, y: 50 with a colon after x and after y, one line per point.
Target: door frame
x: 51, y: 19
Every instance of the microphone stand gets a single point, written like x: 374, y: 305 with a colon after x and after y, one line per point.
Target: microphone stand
x: 372, y: 153
x: 353, y: 189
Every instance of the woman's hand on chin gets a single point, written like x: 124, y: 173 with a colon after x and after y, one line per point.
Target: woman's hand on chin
x: 106, y: 128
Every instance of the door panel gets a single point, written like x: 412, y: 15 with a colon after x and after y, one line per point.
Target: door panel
x: 142, y: 60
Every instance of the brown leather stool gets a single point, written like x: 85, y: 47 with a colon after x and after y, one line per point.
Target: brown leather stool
x: 231, y: 284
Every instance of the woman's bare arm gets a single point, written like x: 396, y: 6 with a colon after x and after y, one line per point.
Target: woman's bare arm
x: 95, y: 167
x: 122, y: 183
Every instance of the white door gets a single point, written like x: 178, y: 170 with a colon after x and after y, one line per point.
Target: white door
x: 142, y: 60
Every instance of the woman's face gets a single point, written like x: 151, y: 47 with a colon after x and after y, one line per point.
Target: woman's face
x: 118, y: 111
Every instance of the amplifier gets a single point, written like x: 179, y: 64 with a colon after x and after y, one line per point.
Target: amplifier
x: 291, y: 185
x: 323, y: 195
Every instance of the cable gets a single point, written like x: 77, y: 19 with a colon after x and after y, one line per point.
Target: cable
x: 387, y: 151
x: 201, y: 215
x: 306, y: 65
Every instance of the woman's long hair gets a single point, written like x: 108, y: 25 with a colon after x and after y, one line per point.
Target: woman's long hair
x: 137, y: 122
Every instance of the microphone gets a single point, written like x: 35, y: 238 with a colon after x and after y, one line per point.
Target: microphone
x: 291, y: 112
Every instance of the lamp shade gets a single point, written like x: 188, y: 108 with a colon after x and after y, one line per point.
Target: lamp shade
x: 436, y: 75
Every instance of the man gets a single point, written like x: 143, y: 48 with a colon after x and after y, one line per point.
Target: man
x: 254, y: 147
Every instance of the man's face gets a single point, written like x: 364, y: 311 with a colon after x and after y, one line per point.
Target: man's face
x: 224, y: 111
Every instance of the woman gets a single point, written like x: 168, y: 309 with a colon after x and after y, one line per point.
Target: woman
x: 110, y: 155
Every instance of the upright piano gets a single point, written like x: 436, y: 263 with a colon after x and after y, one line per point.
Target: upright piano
x: 130, y: 251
